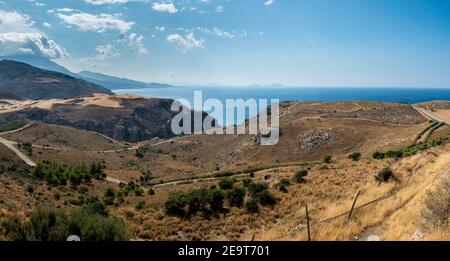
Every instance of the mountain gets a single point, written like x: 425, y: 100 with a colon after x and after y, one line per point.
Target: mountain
x: 8, y: 95
x: 30, y: 82
x: 112, y: 82
x: 40, y: 62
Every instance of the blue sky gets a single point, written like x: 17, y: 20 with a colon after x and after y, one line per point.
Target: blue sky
x: 239, y: 42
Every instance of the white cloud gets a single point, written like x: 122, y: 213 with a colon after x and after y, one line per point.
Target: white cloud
x: 19, y: 36
x: 269, y: 2
x: 97, y: 23
x: 106, y: 52
x: 165, y: 7
x: 219, y: 9
x: 160, y: 28
x: 137, y: 41
x: 102, y: 2
x: 185, y: 43
x: 48, y: 25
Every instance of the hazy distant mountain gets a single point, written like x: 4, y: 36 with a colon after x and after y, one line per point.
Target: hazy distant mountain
x: 39, y: 62
x: 26, y: 81
x: 112, y: 82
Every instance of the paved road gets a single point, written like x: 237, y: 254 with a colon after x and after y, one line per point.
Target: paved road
x: 10, y: 145
x: 429, y: 115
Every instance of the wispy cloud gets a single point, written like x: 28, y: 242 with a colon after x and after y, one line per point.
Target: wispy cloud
x: 165, y: 7
x: 98, y: 23
x: 187, y: 42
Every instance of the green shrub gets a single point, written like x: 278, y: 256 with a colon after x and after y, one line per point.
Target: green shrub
x: 236, y: 197
x: 282, y: 185
x: 378, y: 155
x: 265, y: 198
x: 56, y: 225
x: 58, y: 174
x: 226, y: 184
x: 176, y: 203
x: 299, y: 176
x: 216, y: 200
x: 246, y: 182
x: 256, y: 188
x: 251, y: 206
x: 140, y: 205
x: 355, y: 156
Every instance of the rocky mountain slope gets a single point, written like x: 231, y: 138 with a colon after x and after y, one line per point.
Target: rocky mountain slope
x: 26, y: 81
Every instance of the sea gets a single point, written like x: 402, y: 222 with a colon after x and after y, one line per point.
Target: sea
x: 319, y: 94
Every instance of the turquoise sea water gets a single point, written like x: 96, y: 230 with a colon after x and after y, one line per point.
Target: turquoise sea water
x: 384, y: 94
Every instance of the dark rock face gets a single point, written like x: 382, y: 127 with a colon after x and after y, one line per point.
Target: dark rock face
x: 136, y: 120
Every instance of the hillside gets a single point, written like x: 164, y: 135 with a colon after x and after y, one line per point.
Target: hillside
x: 310, y: 131
x: 112, y: 82
x: 26, y: 81
x: 122, y: 117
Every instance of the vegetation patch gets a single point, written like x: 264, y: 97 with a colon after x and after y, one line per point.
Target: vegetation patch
x: 57, y: 174
x: 13, y: 125
x: 91, y: 222
x: 411, y: 150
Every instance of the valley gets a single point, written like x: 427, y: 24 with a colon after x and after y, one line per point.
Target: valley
x: 316, y: 138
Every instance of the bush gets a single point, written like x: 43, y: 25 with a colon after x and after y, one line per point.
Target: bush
x: 378, y: 155
x: 146, y: 178
x: 226, y: 184
x: 251, y: 206
x: 216, y: 200
x: 384, y: 175
x: 282, y: 185
x: 394, y: 154
x: 355, y: 156
x: 327, y: 159
x: 140, y: 205
x: 30, y: 189
x: 256, y: 188
x: 56, y: 225
x: 246, y: 182
x: 265, y: 198
x: 299, y: 176
x: 236, y: 197
x: 175, y: 204
x: 58, y: 174
x: 151, y: 191
x: 183, y: 204
x: 437, y: 207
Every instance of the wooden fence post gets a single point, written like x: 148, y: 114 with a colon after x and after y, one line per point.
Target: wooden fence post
x: 353, y: 205
x: 307, y: 222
